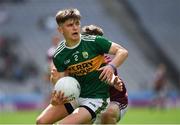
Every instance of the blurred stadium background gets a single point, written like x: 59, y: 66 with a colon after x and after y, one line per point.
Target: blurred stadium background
x: 148, y: 29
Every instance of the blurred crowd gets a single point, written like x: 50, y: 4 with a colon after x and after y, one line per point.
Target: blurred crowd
x: 12, y: 67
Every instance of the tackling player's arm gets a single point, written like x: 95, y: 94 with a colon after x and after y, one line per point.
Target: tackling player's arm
x: 55, y: 75
x: 57, y: 98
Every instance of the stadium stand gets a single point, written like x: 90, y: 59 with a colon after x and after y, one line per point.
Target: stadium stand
x: 25, y: 20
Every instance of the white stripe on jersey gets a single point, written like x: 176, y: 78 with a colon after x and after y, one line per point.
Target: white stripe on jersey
x: 59, y: 45
x: 88, y: 37
x: 59, y: 48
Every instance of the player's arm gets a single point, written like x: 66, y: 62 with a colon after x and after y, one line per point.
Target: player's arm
x: 120, y: 54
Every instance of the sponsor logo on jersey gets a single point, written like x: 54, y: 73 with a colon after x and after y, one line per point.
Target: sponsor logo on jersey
x: 85, y: 67
x: 85, y: 54
x: 67, y: 61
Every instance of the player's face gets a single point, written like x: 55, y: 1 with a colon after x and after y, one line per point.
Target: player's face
x: 71, y: 30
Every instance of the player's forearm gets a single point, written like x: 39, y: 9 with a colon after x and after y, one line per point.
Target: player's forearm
x: 120, y: 56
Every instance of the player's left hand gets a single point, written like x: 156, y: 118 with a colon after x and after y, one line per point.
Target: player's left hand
x: 118, y: 83
x: 106, y: 74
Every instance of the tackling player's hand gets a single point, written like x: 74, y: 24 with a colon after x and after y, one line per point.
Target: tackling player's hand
x: 118, y: 83
x: 54, y: 75
x: 57, y: 98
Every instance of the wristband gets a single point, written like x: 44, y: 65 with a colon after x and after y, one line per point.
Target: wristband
x: 113, y: 67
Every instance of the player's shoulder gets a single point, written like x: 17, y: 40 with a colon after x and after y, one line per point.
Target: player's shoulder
x: 59, y: 48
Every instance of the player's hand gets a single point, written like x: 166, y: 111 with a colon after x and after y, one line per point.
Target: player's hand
x: 54, y: 73
x: 58, y: 98
x: 106, y: 74
x: 118, y: 83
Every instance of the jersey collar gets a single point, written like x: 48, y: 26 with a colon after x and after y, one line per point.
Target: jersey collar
x: 74, y: 45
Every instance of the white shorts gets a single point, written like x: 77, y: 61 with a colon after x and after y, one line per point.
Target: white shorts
x: 122, y: 113
x: 93, y: 105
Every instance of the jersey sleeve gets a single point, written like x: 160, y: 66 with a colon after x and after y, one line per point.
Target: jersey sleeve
x: 103, y: 45
x: 58, y: 64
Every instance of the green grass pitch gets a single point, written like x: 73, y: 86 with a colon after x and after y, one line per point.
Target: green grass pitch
x: 151, y: 116
x: 132, y: 116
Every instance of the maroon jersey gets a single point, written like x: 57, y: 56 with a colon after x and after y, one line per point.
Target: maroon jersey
x: 116, y: 95
x: 160, y: 81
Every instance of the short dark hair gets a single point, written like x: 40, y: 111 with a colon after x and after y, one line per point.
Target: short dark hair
x: 66, y: 14
x: 92, y: 30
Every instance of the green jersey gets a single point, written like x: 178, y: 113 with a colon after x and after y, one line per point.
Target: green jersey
x: 82, y: 61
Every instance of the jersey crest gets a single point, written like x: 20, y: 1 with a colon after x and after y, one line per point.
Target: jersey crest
x: 85, y: 54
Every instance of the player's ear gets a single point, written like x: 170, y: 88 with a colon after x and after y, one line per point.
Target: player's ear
x: 60, y: 29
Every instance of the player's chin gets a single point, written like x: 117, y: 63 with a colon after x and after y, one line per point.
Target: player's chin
x: 75, y: 38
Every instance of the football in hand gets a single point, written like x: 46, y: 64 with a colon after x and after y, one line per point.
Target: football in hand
x: 70, y: 86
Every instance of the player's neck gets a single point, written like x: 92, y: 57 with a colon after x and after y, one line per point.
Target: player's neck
x: 72, y: 43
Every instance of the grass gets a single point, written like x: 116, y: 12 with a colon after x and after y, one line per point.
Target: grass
x: 151, y: 116
x: 133, y: 116
x: 19, y: 117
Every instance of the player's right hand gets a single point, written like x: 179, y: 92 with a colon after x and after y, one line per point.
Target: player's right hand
x: 58, y: 98
x: 55, y: 75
